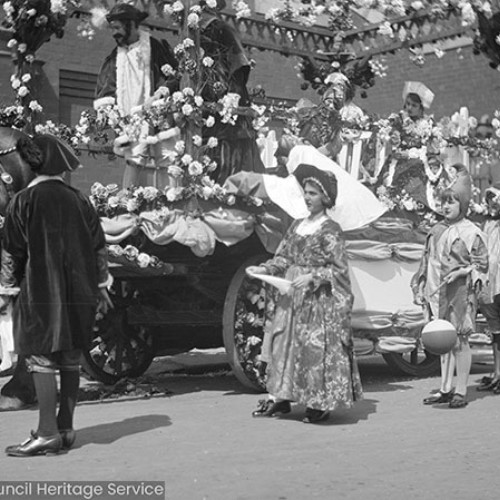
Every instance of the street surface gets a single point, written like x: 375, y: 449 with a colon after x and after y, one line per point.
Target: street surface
x: 202, y: 441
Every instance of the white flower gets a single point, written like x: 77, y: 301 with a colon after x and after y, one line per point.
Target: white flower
x: 12, y: 43
x: 35, y: 106
x: 188, y: 42
x: 197, y: 140
x: 115, y: 250
x: 16, y: 83
x: 58, y: 6
x: 26, y: 78
x: 193, y: 20
x: 198, y: 100
x: 167, y: 70
x: 186, y: 159
x: 187, y: 109
x: 231, y: 199
x: 30, y: 58
x: 211, y: 3
x: 195, y: 168
x: 180, y: 146
x: 150, y: 193
x: 188, y: 91
x: 173, y: 193
x: 143, y: 260
x: 385, y: 29
x: 178, y: 96
x: 208, y: 62
x: 212, y: 142
x: 207, y: 192
x: 175, y: 171
x: 210, y: 121
x: 178, y: 6
x: 132, y: 205
x: 22, y: 48
x: 417, y: 5
x: 23, y: 91
x: 31, y: 12
x: 113, y: 201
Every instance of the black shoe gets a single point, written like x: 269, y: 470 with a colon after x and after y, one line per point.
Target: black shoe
x: 36, y: 445
x: 270, y: 408
x: 487, y: 384
x: 438, y: 398
x: 68, y: 437
x: 314, y: 416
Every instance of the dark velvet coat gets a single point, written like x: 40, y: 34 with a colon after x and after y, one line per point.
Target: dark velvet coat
x: 161, y: 54
x: 53, y: 236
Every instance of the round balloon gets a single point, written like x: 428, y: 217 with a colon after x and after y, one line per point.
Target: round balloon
x: 439, y: 336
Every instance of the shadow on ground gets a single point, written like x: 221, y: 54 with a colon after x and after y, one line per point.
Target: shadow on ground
x: 113, y: 431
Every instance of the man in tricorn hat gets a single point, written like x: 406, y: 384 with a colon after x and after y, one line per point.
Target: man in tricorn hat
x: 132, y: 72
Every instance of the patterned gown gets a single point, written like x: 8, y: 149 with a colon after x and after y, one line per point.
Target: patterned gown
x: 310, y: 347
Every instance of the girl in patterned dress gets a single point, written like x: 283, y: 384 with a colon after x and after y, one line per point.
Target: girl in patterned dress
x: 309, y: 348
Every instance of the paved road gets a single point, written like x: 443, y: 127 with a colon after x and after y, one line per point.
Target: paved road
x: 202, y: 441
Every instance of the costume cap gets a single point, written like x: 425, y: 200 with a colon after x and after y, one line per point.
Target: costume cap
x: 126, y: 12
x: 57, y: 156
x: 462, y: 187
x: 335, y: 78
x: 324, y: 179
x: 426, y: 95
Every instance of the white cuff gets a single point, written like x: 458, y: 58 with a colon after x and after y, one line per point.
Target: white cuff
x: 107, y: 283
x: 9, y: 290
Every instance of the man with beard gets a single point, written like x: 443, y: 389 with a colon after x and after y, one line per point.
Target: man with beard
x: 131, y: 74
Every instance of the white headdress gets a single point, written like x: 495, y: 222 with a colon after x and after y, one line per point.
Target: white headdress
x: 426, y: 95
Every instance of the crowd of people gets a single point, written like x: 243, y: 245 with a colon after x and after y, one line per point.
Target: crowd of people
x: 54, y: 265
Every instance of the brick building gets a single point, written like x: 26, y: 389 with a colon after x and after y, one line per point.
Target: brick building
x: 66, y: 70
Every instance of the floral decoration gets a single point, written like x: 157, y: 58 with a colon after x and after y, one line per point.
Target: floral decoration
x: 254, y: 305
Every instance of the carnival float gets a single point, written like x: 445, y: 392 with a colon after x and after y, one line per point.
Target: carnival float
x: 179, y: 246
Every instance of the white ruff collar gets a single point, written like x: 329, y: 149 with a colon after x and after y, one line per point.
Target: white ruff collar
x: 133, y: 75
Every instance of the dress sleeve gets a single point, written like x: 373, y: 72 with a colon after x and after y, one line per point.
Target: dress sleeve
x: 283, y: 257
x: 479, y: 262
x: 329, y: 262
x: 106, y: 80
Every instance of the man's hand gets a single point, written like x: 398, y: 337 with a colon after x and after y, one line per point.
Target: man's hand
x: 302, y: 281
x: 105, y: 303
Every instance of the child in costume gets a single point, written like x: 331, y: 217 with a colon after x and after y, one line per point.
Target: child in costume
x: 452, y: 270
x: 490, y: 298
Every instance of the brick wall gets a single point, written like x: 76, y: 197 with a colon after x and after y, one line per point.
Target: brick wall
x: 458, y: 79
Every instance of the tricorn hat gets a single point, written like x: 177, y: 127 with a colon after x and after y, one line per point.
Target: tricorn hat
x: 324, y: 179
x: 126, y: 12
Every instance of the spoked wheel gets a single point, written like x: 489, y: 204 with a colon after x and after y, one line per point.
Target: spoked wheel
x: 118, y: 349
x: 243, y: 325
x: 417, y: 363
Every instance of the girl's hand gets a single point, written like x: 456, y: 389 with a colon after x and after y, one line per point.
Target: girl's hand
x: 302, y: 281
x: 256, y: 270
x: 456, y: 274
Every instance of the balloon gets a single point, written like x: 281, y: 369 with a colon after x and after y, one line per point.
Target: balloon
x: 439, y: 336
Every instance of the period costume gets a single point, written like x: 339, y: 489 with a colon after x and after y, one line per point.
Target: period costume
x: 129, y: 76
x: 237, y: 150
x: 54, y: 261
x: 309, y: 347
x: 451, y: 273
